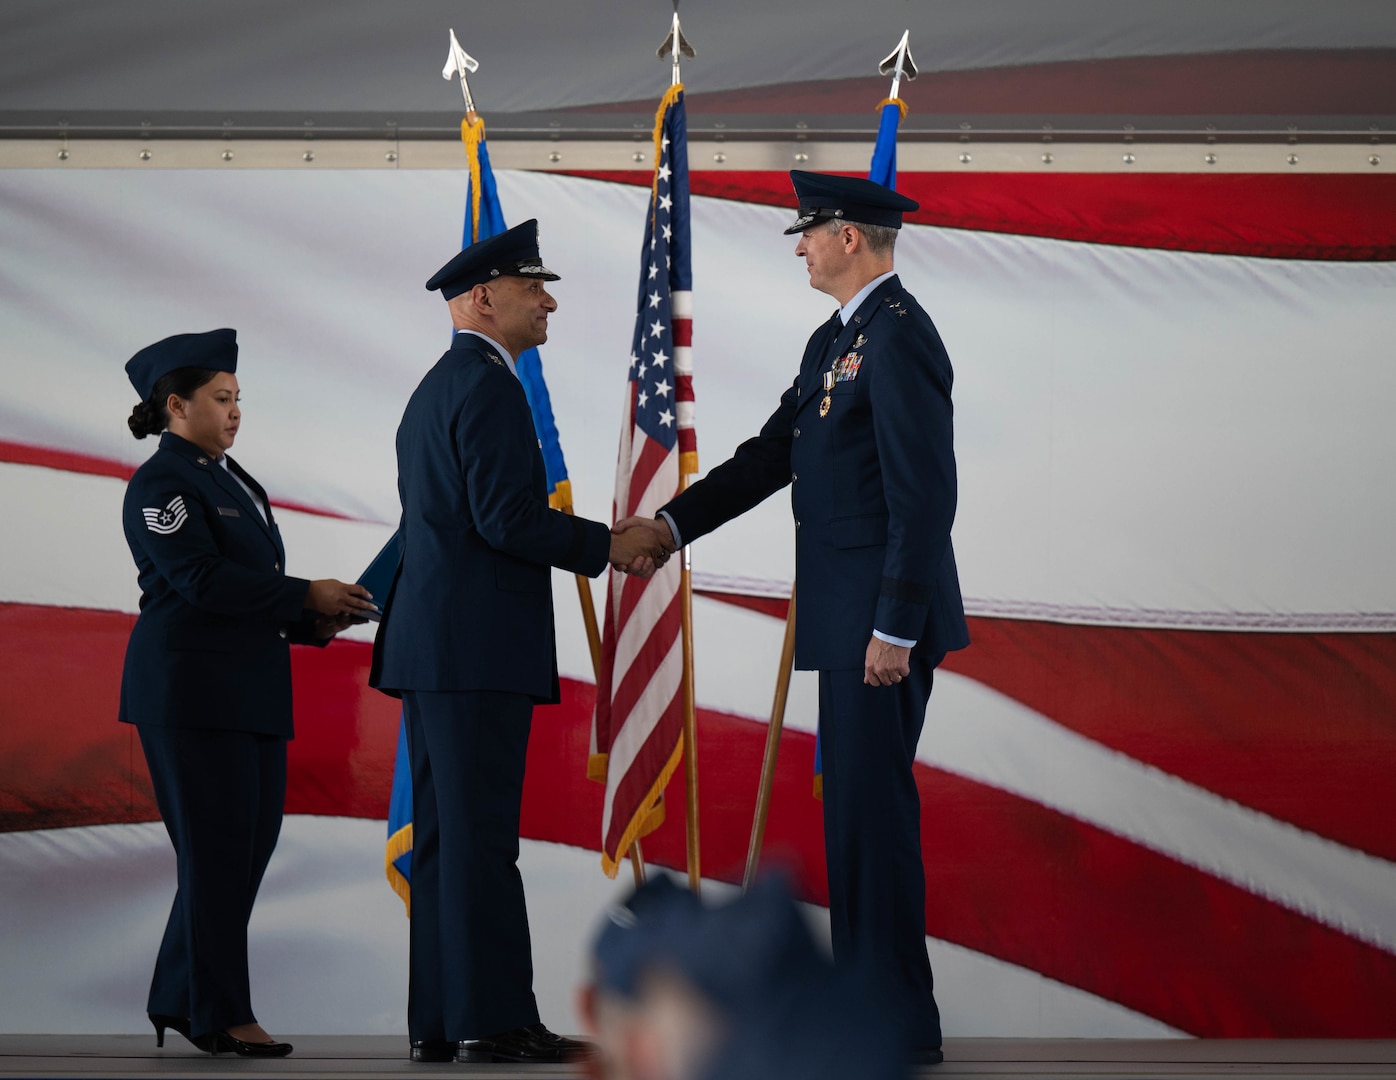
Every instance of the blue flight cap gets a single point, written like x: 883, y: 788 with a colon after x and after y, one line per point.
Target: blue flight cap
x: 851, y: 198
x: 216, y: 350
x: 641, y: 933
x: 514, y: 251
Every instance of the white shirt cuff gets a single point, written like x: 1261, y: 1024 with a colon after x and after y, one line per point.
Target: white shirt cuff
x: 903, y: 642
x: 674, y: 529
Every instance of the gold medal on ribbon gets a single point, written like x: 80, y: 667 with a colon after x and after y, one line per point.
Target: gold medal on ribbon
x: 828, y: 402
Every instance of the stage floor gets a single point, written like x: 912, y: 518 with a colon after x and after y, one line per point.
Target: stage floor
x: 117, y: 1057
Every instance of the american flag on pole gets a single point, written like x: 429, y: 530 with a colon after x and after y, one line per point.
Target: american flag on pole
x: 637, y: 733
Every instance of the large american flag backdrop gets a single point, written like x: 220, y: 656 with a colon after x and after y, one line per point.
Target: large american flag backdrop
x: 637, y: 737
x: 1160, y: 780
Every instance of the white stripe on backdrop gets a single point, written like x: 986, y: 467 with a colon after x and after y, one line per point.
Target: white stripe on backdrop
x: 1136, y: 429
x: 82, y: 911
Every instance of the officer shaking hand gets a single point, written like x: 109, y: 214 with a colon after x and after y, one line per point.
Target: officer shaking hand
x: 864, y: 438
x: 467, y: 642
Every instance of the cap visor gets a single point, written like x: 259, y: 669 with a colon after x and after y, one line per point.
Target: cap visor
x: 536, y: 270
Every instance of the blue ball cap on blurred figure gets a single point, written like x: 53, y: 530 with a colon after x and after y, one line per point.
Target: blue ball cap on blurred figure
x: 790, y: 1013
x: 850, y: 198
x: 216, y: 350
x: 640, y: 934
x: 512, y: 252
x: 831, y: 1029
x: 742, y: 952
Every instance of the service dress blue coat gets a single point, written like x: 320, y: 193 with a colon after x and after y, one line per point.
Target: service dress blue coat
x: 217, y: 611
x: 873, y: 485
x: 864, y: 436
x: 207, y: 682
x: 466, y: 640
x: 471, y: 607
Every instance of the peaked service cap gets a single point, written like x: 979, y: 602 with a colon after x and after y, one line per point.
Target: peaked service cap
x: 512, y: 252
x: 851, y: 198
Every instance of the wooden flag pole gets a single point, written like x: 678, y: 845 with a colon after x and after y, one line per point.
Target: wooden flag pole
x: 768, y: 761
x: 589, y: 621
x: 690, y: 719
x: 637, y: 860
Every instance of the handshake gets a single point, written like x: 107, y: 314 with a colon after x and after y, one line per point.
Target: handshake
x: 640, y: 546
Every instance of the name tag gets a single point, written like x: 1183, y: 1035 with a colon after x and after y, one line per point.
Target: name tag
x: 229, y: 511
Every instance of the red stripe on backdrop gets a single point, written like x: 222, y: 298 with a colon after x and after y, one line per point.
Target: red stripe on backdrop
x: 90, y: 465
x: 1011, y: 878
x: 1311, y: 216
x: 1015, y: 880
x: 1006, y: 877
x: 1299, y: 726
x: 775, y: 607
x: 65, y: 760
x: 65, y: 460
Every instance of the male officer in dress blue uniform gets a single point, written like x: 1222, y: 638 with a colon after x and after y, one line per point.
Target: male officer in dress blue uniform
x: 864, y: 438
x: 467, y: 641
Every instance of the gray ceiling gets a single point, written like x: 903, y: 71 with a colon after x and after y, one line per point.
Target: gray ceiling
x: 84, y: 58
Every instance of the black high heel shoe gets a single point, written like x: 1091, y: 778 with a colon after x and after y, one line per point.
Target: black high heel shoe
x: 220, y: 1042
x: 175, y: 1023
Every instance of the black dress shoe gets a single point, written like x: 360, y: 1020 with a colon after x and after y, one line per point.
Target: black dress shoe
x: 927, y: 1057
x: 220, y: 1042
x: 433, y: 1050
x: 174, y: 1023
x: 532, y: 1044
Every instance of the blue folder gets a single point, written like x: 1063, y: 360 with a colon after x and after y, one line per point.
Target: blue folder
x: 378, y: 578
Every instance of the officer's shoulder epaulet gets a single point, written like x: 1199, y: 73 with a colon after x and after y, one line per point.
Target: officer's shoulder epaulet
x: 899, y: 303
x: 484, y: 351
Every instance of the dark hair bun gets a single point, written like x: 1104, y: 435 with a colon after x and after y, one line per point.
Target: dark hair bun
x: 146, y: 419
